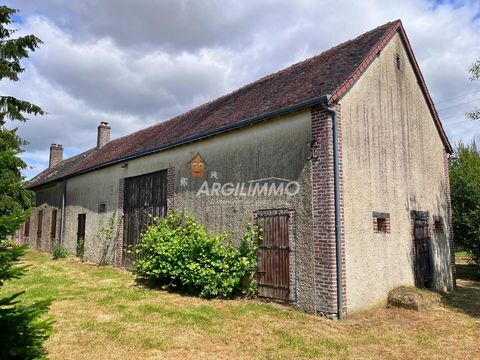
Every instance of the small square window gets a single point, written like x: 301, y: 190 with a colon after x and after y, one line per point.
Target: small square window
x: 381, y: 222
x: 102, y: 207
x: 381, y: 225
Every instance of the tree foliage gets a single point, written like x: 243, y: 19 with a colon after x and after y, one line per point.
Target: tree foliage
x: 12, y: 51
x: 21, y: 326
x: 15, y: 200
x: 474, y: 71
x: 465, y: 191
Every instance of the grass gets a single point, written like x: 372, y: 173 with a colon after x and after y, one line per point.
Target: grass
x: 100, y: 313
x: 461, y: 254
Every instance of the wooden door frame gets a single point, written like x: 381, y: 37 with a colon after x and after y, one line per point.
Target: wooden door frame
x: 292, y: 297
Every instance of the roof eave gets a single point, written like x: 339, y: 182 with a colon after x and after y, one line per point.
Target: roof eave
x: 206, y: 134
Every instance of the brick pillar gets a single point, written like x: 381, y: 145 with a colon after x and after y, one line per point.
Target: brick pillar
x: 119, y: 242
x: 451, y: 239
x: 170, y: 189
x: 323, y: 211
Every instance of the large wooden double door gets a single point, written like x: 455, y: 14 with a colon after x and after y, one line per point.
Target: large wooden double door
x: 145, y: 197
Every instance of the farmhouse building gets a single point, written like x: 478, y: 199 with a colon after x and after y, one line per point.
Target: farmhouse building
x: 341, y: 158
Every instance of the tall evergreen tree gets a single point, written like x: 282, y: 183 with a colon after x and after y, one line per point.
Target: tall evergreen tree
x: 21, y: 327
x: 15, y: 201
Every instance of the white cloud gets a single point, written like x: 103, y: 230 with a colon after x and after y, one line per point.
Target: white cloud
x: 134, y: 65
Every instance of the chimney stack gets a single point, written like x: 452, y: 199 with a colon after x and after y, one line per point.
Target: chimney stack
x: 103, y: 134
x: 56, y: 154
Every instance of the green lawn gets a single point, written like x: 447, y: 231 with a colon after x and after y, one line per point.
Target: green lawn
x: 461, y: 254
x: 100, y: 313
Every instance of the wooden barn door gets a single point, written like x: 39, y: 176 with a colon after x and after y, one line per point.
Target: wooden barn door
x: 81, y: 223
x: 273, y: 260
x: 423, y: 261
x: 145, y: 196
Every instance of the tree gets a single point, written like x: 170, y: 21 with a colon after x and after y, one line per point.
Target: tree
x: 15, y: 201
x: 21, y: 327
x: 465, y: 192
x: 474, y: 71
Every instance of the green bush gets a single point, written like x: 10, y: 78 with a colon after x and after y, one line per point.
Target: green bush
x: 177, y: 252
x: 58, y: 252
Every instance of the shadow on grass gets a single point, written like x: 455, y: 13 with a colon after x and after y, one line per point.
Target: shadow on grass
x: 466, y: 297
x: 171, y: 289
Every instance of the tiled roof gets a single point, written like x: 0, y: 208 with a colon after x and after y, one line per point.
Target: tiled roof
x: 332, y: 72
x: 62, y: 169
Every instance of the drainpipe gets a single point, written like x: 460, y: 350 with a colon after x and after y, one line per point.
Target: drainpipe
x: 336, y: 185
x: 64, y: 198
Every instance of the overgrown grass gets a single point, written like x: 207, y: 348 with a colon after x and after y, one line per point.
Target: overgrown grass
x: 100, y: 312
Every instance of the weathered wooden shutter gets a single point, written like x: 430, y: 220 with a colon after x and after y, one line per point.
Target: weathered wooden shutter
x: 53, y: 225
x: 273, y: 262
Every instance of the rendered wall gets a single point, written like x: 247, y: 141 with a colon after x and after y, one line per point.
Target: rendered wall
x: 275, y: 148
x: 393, y: 161
x: 46, y: 199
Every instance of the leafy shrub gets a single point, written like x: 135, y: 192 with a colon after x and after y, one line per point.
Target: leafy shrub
x: 177, y: 252
x: 58, y: 252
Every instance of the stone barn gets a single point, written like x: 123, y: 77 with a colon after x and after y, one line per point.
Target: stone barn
x: 341, y: 158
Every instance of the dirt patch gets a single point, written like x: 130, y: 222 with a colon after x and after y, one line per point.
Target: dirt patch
x: 413, y: 298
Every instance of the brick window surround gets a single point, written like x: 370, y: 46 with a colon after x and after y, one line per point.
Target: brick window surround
x: 381, y: 222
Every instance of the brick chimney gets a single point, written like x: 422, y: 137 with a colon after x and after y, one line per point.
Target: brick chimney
x: 103, y: 134
x: 56, y: 154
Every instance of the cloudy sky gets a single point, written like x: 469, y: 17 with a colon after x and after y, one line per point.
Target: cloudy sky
x: 135, y: 63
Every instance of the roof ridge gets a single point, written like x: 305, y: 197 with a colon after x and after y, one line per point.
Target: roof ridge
x: 352, y: 78
x: 256, y: 82
x: 332, y: 72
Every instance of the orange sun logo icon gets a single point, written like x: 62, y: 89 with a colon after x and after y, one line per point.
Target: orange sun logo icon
x: 197, y: 166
